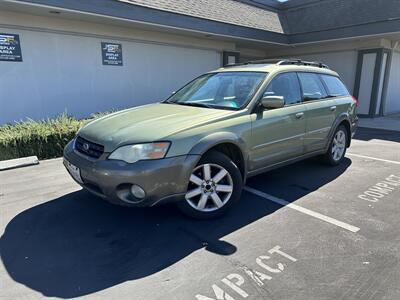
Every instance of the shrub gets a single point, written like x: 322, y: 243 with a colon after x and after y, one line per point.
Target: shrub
x: 45, y: 139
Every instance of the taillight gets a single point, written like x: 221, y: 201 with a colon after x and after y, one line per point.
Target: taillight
x: 355, y: 101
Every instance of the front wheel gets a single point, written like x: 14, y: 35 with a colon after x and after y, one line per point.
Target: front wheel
x: 337, y: 147
x: 214, y: 186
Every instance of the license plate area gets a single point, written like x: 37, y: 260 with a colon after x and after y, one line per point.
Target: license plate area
x: 74, y: 171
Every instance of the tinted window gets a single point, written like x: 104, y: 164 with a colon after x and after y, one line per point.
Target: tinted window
x: 313, y: 89
x: 286, y: 85
x: 335, y: 86
x: 220, y: 90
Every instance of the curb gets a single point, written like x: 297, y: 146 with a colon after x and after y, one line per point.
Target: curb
x: 18, y: 163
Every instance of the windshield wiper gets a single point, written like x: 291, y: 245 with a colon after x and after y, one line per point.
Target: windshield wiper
x: 168, y: 102
x: 194, y: 104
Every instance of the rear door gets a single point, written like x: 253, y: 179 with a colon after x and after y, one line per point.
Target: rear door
x: 320, y: 112
x: 338, y: 91
x: 277, y: 134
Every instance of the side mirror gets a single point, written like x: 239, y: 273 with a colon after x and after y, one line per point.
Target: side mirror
x: 272, y: 102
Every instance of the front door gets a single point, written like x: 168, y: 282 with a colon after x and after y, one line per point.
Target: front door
x: 277, y: 134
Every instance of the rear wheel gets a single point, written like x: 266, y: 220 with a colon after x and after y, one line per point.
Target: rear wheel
x: 214, y: 186
x: 337, y: 147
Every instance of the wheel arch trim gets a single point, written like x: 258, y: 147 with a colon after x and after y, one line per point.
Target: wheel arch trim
x: 344, y: 117
x: 219, y: 138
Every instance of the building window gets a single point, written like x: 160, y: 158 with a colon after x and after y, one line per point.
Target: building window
x: 230, y: 58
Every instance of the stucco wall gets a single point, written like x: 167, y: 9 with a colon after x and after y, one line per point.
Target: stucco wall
x: 64, y: 73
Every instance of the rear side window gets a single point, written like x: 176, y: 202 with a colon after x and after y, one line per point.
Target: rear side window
x: 312, y: 87
x: 335, y: 86
x: 286, y: 85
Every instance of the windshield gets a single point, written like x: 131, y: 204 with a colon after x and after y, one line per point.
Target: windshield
x: 230, y: 90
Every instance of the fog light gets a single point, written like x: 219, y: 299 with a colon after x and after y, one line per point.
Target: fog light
x: 137, y: 191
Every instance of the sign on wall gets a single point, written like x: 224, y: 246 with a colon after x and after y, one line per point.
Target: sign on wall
x: 111, y: 54
x: 10, y: 47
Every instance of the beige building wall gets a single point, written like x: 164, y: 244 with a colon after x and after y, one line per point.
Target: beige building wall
x: 62, y: 68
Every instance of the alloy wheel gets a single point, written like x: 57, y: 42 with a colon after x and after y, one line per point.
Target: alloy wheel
x: 210, y: 187
x: 339, y: 145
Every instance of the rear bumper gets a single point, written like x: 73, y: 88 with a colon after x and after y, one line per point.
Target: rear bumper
x: 163, y: 180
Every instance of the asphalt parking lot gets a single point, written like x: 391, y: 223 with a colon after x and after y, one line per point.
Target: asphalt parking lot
x: 305, y: 231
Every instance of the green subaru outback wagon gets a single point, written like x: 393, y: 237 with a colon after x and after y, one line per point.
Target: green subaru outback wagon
x: 198, y: 147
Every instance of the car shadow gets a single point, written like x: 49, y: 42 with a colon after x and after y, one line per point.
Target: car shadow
x: 78, y: 244
x: 297, y: 180
x: 367, y: 134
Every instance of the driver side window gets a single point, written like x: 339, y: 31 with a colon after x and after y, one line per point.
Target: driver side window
x: 285, y: 85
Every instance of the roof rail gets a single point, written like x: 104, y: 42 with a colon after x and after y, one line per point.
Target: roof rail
x: 281, y: 62
x: 303, y: 63
x: 254, y: 62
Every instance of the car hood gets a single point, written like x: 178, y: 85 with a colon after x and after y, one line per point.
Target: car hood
x: 148, y: 123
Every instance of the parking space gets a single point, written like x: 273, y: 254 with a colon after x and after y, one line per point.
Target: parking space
x: 361, y: 192
x: 376, y: 143
x: 305, y: 231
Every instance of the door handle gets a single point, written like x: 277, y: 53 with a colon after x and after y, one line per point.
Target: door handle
x: 333, y: 108
x: 299, y: 115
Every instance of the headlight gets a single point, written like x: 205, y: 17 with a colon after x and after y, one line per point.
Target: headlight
x: 133, y: 153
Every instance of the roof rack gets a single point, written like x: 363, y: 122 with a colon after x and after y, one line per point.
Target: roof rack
x: 303, y: 63
x: 254, y: 62
x: 280, y: 62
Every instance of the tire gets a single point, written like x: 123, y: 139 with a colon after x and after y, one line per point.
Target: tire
x: 212, y: 197
x: 337, y: 147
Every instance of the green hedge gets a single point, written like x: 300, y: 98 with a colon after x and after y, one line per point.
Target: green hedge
x: 45, y: 139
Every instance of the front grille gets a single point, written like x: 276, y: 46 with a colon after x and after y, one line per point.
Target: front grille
x: 88, y: 148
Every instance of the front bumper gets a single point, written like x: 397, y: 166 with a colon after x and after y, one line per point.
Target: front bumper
x: 163, y: 180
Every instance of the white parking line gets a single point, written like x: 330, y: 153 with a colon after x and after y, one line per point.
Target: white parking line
x: 374, y: 158
x: 302, y: 209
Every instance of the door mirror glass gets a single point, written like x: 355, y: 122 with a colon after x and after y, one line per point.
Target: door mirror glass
x: 271, y: 102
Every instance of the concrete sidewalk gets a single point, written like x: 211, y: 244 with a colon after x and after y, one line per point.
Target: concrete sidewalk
x: 391, y: 122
